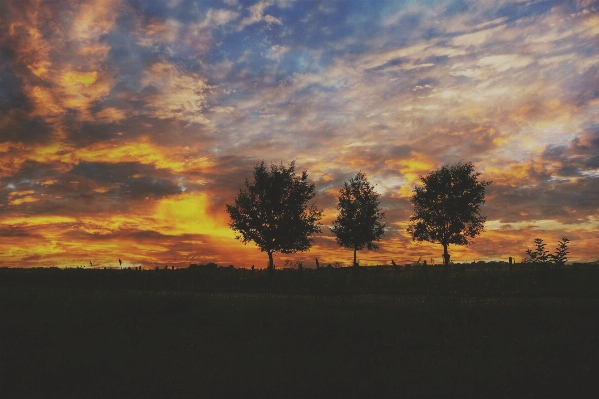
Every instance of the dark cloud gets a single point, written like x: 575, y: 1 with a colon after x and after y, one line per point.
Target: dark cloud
x: 129, y: 180
x: 31, y: 173
x: 570, y: 201
x: 11, y: 95
x: 553, y: 152
x: 147, y: 186
x: 18, y: 126
x: 17, y: 232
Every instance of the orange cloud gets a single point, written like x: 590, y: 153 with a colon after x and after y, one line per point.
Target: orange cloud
x: 145, y: 152
x: 63, y: 79
x: 519, y: 173
x: 109, y: 115
x: 21, y: 197
x: 177, y: 159
x: 36, y: 220
x: 93, y: 19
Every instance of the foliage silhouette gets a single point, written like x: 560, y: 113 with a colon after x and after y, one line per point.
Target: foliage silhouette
x: 541, y: 255
x: 359, y: 222
x: 447, y: 207
x: 273, y: 211
x: 560, y: 257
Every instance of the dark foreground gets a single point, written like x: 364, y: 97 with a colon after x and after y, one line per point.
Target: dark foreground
x: 472, y: 334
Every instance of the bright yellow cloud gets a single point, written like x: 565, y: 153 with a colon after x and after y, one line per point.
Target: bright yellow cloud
x: 23, y: 200
x: 188, y: 214
x: 73, y: 78
x: 20, y: 193
x: 411, y: 169
x: 21, y: 197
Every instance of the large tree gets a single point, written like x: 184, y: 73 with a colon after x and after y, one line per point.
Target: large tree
x: 447, y: 207
x: 359, y: 222
x: 273, y: 211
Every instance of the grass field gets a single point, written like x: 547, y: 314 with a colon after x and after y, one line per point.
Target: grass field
x: 480, y: 333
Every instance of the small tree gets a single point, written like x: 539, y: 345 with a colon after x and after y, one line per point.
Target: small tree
x: 359, y: 222
x: 541, y: 255
x: 273, y: 211
x: 447, y: 207
x: 560, y: 257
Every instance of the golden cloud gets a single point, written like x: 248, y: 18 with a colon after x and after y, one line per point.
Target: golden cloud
x: 94, y: 18
x: 177, y: 159
x: 419, y: 164
x: 145, y: 152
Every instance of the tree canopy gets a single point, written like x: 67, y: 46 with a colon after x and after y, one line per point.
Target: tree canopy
x: 447, y: 207
x: 359, y: 222
x: 272, y: 211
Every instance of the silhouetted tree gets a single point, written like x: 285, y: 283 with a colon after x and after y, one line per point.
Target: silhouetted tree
x: 541, y: 255
x: 560, y: 257
x: 273, y: 211
x: 447, y: 207
x: 359, y: 222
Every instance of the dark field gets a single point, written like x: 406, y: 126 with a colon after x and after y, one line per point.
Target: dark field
x: 480, y: 332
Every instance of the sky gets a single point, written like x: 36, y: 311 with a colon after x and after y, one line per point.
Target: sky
x: 126, y: 126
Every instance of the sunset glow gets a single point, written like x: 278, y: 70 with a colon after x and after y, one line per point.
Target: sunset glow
x: 126, y: 126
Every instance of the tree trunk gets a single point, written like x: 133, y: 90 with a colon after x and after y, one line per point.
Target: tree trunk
x: 271, y: 265
x: 445, y: 256
x: 355, y: 263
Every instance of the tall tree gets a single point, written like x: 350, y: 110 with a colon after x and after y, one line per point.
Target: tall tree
x: 447, y: 207
x: 273, y: 211
x: 359, y: 222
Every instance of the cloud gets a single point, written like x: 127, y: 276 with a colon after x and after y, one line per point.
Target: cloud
x: 93, y: 19
x: 60, y: 65
x: 127, y: 126
x: 256, y: 14
x: 175, y: 94
x: 270, y: 20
